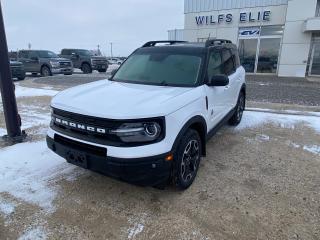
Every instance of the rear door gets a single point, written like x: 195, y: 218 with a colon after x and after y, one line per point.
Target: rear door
x: 24, y: 58
x: 34, y: 63
x: 215, y: 95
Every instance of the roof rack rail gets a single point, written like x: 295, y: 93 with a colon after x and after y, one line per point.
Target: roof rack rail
x: 212, y: 42
x: 153, y: 43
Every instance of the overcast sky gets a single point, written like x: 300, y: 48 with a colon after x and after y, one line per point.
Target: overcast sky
x: 57, y: 24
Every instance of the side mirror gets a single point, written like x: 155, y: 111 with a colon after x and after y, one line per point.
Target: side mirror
x: 218, y: 81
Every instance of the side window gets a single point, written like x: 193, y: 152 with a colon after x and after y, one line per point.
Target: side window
x: 23, y: 54
x: 66, y: 52
x: 214, y: 65
x: 227, y: 62
x: 32, y: 55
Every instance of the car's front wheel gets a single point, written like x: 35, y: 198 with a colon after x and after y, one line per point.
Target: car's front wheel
x: 237, y: 116
x: 86, y: 68
x: 187, y: 159
x: 45, y: 71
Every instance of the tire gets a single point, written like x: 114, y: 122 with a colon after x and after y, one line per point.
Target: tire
x: 237, y: 116
x: 21, y: 78
x: 102, y: 70
x: 86, y: 68
x: 188, y: 156
x: 45, y: 71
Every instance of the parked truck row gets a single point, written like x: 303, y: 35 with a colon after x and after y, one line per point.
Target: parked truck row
x: 47, y: 63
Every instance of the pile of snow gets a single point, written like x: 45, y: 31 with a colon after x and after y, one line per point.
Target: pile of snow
x: 35, y: 233
x: 33, y: 92
x: 253, y: 119
x: 313, y: 149
x: 26, y: 171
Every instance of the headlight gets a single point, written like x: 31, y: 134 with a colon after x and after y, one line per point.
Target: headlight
x: 138, y: 132
x: 55, y: 64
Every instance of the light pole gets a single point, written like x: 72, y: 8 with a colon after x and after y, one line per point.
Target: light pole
x: 111, y: 48
x: 12, y: 119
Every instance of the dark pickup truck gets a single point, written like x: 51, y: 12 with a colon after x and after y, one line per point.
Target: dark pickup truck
x: 85, y: 60
x: 44, y: 62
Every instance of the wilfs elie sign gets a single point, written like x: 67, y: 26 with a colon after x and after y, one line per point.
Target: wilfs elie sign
x: 229, y: 18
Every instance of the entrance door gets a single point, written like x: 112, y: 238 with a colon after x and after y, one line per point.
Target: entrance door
x: 315, y: 64
x: 248, y: 54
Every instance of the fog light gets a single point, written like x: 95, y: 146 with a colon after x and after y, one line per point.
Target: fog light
x: 169, y: 157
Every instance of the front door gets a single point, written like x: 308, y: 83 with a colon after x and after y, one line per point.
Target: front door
x: 217, y: 108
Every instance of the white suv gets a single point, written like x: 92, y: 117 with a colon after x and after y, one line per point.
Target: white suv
x: 149, y: 123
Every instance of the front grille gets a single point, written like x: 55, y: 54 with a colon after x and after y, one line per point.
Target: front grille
x: 65, y: 64
x: 95, y: 123
x: 80, y: 146
x: 99, y: 62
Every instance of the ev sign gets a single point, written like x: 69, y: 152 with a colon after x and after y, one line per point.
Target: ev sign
x: 244, y: 17
x: 249, y: 32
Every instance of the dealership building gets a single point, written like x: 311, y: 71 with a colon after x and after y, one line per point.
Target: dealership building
x: 280, y: 37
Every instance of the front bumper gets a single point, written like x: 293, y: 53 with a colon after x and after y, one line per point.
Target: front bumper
x: 68, y: 70
x: 148, y: 171
x: 99, y: 67
x: 18, y: 73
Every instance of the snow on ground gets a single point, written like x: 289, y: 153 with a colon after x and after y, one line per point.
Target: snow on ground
x: 252, y: 119
x: 313, y: 149
x: 35, y: 233
x: 28, y: 171
x: 33, y: 92
x: 6, y: 207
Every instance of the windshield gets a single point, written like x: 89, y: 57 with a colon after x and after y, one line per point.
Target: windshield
x: 160, y: 69
x: 84, y: 53
x: 47, y: 54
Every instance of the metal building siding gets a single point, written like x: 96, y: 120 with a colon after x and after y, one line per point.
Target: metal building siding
x: 214, y: 5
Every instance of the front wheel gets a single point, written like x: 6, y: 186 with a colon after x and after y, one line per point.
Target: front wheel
x: 188, y: 157
x: 86, y: 68
x: 237, y: 116
x: 45, y: 71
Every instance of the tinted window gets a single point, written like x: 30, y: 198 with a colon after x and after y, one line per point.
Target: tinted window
x: 66, y: 52
x: 227, y: 62
x: 160, y: 68
x: 47, y: 54
x: 33, y: 55
x: 23, y: 54
x: 214, y: 64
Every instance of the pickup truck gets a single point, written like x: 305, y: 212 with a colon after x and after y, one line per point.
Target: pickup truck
x: 85, y: 60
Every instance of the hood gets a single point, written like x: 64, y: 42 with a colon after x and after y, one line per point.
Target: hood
x: 114, y: 100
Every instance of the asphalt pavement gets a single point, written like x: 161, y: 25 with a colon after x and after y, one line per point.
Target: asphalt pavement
x: 267, y: 89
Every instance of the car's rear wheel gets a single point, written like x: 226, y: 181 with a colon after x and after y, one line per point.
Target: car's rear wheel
x: 86, y: 68
x: 187, y: 159
x: 237, y: 116
x: 45, y: 71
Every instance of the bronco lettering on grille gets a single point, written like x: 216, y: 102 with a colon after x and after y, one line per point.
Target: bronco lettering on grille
x: 79, y: 126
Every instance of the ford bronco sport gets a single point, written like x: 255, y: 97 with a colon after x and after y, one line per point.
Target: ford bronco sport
x: 149, y: 123
x: 84, y: 60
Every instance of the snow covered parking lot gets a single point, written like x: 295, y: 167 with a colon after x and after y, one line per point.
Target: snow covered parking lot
x: 259, y: 181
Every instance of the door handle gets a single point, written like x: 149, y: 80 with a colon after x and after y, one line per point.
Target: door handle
x: 226, y: 87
